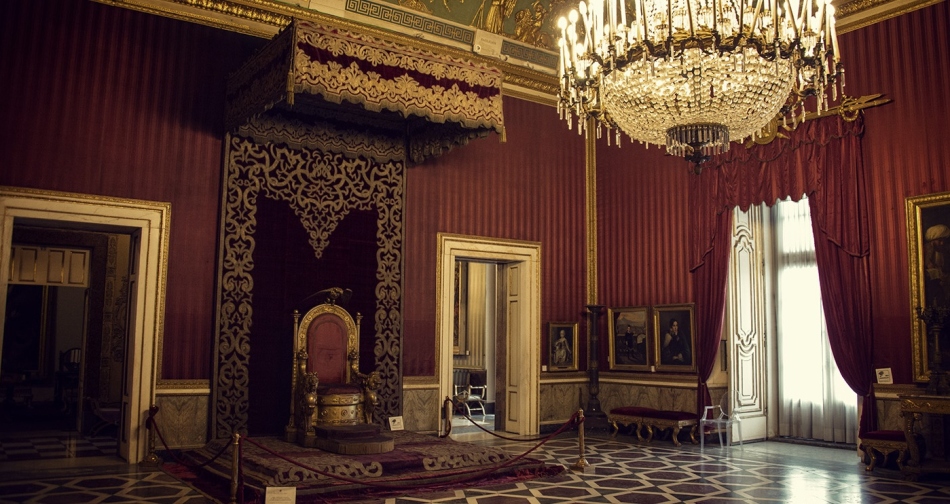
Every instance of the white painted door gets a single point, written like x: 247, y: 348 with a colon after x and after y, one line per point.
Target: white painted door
x: 746, y: 322
x: 513, y: 392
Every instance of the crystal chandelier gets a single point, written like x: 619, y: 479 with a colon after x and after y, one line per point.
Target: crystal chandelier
x: 694, y: 74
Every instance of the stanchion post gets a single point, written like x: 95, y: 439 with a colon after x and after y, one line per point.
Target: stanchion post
x: 235, y: 456
x: 582, y: 462
x: 152, y: 458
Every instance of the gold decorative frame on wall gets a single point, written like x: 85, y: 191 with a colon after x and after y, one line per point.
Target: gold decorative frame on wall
x: 562, y: 354
x: 628, y: 329
x: 663, y: 317
x: 928, y: 246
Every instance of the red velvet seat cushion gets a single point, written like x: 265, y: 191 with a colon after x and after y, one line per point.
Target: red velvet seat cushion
x: 337, y: 388
x: 632, y: 411
x: 884, y: 435
x: 674, y: 415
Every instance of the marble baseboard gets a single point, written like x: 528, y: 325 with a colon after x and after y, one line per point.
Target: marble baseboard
x: 421, y: 409
x: 617, y: 395
x: 182, y: 419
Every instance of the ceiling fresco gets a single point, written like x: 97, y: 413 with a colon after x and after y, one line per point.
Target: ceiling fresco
x: 531, y: 22
x: 519, y: 35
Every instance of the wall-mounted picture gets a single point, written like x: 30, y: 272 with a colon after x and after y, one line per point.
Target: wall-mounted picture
x: 629, y: 338
x: 562, y: 346
x: 675, y: 337
x: 928, y: 246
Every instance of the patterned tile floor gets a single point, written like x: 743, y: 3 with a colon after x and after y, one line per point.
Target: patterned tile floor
x: 53, y: 445
x: 621, y: 470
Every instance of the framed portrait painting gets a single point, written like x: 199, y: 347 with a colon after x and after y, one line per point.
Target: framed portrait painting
x: 674, y: 336
x: 928, y: 254
x: 629, y: 338
x: 562, y: 346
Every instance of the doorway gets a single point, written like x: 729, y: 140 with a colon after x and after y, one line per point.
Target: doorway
x: 146, y: 225
x: 64, y: 342
x: 479, y: 328
x: 516, y: 354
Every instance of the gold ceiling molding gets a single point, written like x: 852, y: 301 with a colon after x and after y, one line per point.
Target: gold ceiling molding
x: 857, y: 14
x: 265, y: 18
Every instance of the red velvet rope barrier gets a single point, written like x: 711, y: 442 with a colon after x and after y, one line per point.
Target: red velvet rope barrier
x: 150, y: 423
x: 448, y: 423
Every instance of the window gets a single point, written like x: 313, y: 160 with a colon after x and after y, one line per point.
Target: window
x: 814, y: 400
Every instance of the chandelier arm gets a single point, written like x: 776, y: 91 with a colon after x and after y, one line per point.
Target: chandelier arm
x: 692, y: 76
x: 689, y: 12
x: 755, y: 16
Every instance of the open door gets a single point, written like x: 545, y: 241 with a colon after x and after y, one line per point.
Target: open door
x: 745, y: 325
x: 514, y: 395
x: 520, y: 382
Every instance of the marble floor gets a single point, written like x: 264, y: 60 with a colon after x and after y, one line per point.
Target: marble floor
x: 620, y: 470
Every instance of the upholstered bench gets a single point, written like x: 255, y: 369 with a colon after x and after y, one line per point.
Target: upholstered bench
x: 884, y: 442
x: 653, y: 419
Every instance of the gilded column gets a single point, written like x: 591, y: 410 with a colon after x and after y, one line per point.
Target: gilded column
x: 595, y: 417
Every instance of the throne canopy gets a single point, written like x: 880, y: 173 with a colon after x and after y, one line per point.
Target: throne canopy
x: 431, y: 100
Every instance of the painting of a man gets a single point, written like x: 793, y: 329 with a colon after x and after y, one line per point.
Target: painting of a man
x: 675, y: 338
x: 628, y: 339
x: 675, y: 347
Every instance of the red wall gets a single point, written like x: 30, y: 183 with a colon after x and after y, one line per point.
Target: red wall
x: 906, y: 153
x: 101, y: 100
x: 530, y: 187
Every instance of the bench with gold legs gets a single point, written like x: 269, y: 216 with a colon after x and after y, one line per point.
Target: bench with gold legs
x: 653, y: 420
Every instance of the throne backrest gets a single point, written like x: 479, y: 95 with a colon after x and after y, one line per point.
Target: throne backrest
x: 329, y: 334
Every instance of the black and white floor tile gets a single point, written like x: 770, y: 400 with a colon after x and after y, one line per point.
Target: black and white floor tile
x: 619, y: 470
x: 54, y: 445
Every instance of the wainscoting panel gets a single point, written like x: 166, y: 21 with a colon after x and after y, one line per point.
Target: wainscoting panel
x: 422, y: 409
x: 182, y: 420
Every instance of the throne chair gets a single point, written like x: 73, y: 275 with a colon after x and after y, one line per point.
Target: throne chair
x: 332, y: 403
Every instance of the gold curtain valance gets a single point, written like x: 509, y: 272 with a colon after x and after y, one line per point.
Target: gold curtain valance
x: 432, y: 100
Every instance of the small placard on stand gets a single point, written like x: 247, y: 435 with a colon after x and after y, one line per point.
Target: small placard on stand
x: 395, y: 423
x: 280, y: 495
x: 884, y: 376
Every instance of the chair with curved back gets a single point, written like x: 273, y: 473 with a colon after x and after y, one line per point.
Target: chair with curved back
x: 717, y: 419
x: 67, y: 378
x: 331, y: 400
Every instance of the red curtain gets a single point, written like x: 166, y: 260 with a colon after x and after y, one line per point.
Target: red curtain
x: 709, y: 288
x: 822, y: 159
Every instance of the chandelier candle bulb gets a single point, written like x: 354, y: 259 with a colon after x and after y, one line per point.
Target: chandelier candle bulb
x: 691, y: 74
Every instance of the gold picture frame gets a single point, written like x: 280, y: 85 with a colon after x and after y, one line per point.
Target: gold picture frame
x: 674, y: 336
x: 928, y: 246
x: 629, y: 330
x: 562, y: 346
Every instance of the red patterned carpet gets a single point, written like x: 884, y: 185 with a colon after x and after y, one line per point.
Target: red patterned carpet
x: 418, y: 463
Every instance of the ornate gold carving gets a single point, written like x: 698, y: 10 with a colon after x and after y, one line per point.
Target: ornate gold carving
x: 493, y: 19
x: 848, y: 109
x: 852, y: 17
x: 196, y: 385
x: 416, y: 5
x: 528, y: 26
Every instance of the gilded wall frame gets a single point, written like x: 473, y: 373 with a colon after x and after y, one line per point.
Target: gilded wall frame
x: 674, y: 336
x: 629, y: 331
x: 562, y: 346
x: 928, y: 259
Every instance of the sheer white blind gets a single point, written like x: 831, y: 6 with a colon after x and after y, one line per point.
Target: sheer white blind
x: 814, y: 400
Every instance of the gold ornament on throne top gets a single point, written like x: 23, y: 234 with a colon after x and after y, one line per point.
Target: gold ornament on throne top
x: 327, y: 387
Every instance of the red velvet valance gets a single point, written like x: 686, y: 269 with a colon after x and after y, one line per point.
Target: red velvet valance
x: 823, y: 159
